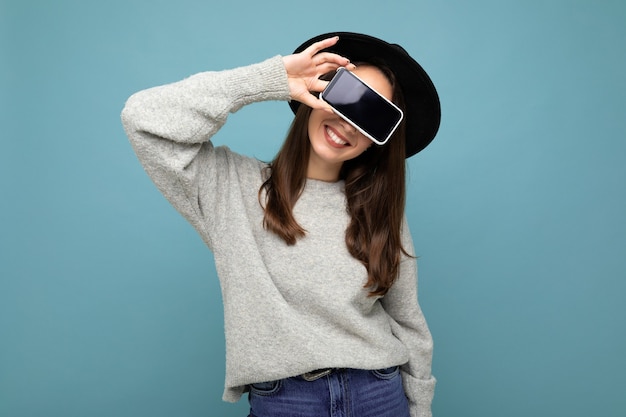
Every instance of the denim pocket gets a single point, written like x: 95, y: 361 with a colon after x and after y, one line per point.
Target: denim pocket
x: 387, y: 373
x: 265, y: 388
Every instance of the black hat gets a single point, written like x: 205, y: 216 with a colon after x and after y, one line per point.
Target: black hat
x: 423, y: 112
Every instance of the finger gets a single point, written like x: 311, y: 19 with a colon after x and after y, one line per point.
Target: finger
x: 323, y: 57
x: 323, y: 44
x: 316, y: 103
x: 326, y: 68
x: 318, y: 85
x: 329, y: 56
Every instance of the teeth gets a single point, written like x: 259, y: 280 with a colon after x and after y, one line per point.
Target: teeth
x: 335, y: 138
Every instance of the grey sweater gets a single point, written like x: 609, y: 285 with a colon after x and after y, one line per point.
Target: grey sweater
x: 287, y: 309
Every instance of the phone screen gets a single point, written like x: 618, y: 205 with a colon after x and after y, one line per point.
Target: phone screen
x: 362, y: 106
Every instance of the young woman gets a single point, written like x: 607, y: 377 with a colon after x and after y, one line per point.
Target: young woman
x: 313, y: 252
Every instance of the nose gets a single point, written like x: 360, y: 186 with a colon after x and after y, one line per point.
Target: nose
x: 347, y: 127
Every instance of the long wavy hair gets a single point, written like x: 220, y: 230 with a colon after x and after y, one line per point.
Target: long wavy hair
x: 374, y: 188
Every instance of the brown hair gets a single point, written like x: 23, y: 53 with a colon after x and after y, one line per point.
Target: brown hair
x: 375, y: 192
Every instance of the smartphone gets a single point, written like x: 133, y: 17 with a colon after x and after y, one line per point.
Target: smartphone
x: 362, y: 106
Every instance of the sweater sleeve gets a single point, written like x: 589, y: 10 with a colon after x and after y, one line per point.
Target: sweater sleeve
x: 170, y: 126
x: 409, y: 325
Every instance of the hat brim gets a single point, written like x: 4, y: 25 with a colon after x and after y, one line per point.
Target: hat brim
x: 423, y: 110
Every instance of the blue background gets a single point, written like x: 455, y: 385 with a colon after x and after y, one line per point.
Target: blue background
x: 109, y: 303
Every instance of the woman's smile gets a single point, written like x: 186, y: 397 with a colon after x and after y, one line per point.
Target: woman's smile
x: 335, y: 139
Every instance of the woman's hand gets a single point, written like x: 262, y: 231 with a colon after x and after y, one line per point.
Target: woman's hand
x: 305, y: 68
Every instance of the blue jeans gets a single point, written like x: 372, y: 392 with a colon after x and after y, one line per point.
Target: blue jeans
x: 343, y: 393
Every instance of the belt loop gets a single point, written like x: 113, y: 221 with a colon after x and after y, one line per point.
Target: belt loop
x: 317, y: 374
